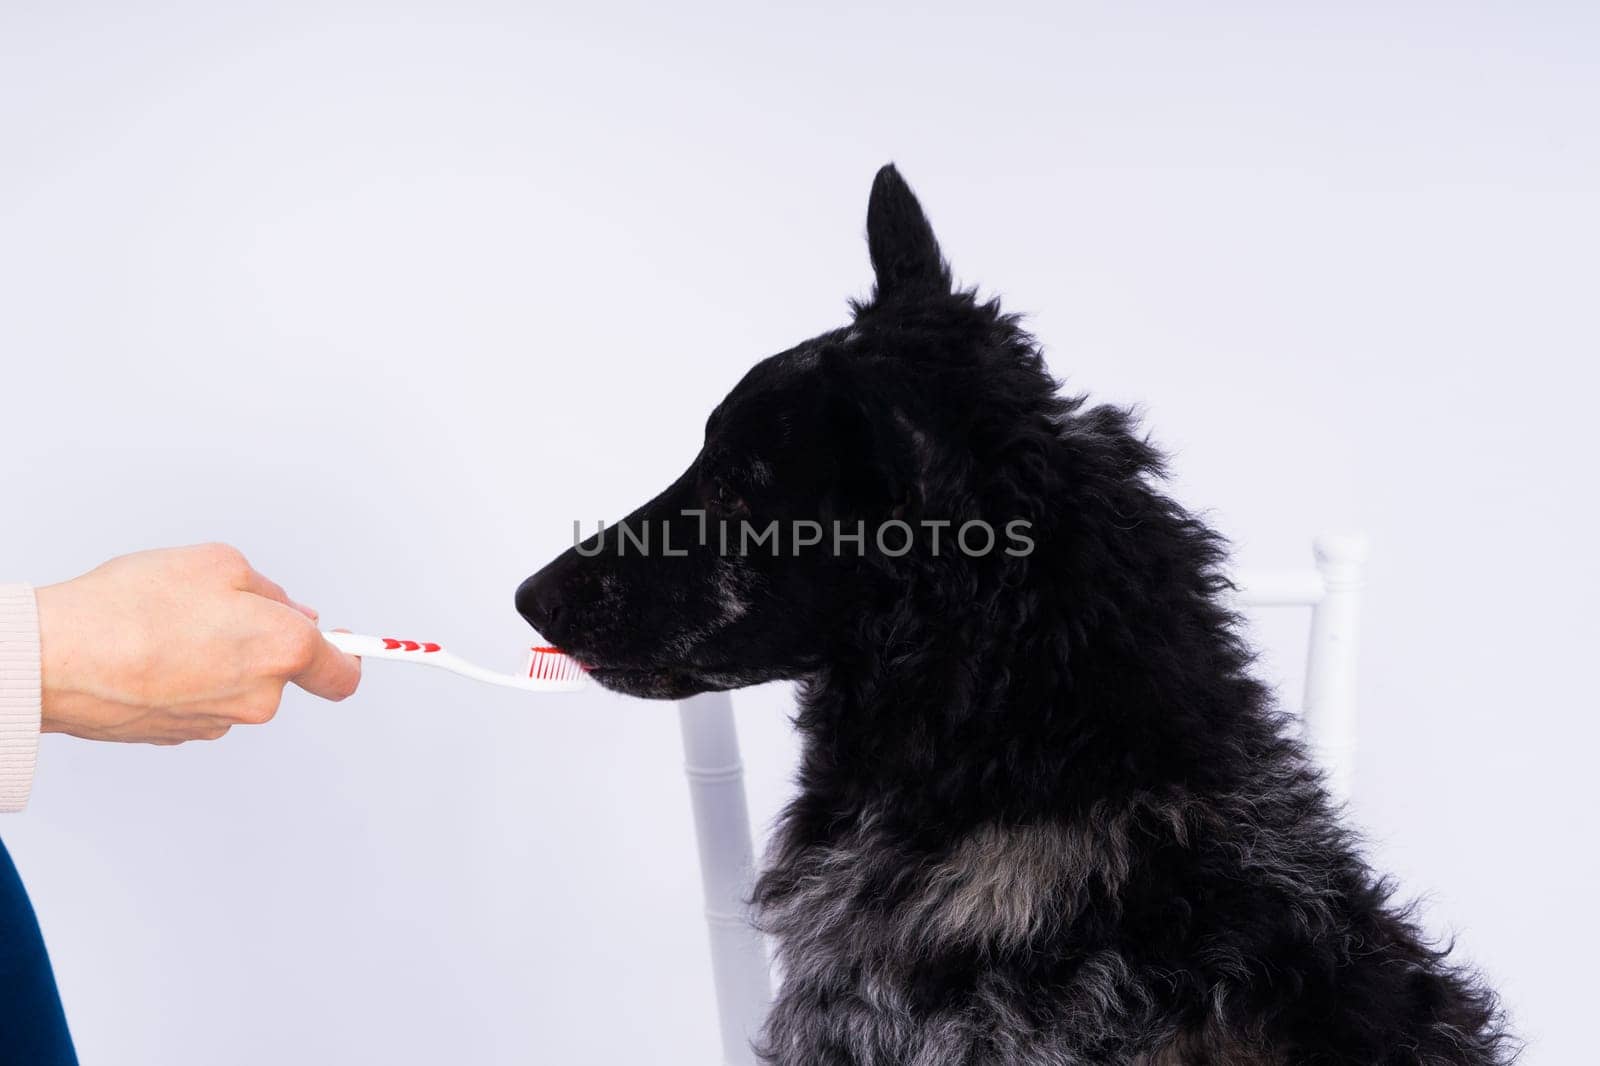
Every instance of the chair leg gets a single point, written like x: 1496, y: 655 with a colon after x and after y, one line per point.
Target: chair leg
x: 1328, y: 721
x: 727, y: 870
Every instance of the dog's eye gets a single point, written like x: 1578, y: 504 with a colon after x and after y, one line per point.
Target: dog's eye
x: 728, y: 501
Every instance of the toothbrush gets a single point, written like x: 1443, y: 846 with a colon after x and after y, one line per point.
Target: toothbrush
x: 546, y: 670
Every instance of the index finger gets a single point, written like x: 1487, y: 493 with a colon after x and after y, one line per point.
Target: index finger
x: 259, y: 584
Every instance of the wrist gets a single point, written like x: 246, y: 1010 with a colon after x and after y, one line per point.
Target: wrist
x: 59, y: 661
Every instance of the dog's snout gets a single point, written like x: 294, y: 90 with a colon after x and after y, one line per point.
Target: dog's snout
x: 540, y: 601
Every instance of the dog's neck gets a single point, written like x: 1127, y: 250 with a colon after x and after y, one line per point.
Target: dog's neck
x: 1104, y: 665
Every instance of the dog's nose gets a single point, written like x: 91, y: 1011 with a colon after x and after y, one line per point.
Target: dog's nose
x: 539, y: 600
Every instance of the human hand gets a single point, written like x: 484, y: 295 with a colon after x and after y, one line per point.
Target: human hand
x: 178, y: 644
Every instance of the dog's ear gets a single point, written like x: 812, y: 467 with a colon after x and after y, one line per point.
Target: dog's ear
x: 905, y: 254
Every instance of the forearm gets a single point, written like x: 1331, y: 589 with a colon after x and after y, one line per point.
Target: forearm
x: 19, y: 694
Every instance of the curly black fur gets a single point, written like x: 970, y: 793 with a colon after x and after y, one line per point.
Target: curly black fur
x: 1046, y: 815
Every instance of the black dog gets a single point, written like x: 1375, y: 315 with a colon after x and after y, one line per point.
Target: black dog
x: 1046, y: 815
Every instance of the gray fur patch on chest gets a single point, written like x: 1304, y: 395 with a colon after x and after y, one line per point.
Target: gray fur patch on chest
x: 998, y: 886
x: 856, y: 919
x: 1002, y: 884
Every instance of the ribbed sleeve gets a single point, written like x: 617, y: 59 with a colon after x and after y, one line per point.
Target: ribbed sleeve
x: 19, y: 694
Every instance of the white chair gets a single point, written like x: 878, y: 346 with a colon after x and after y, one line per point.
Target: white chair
x: 722, y: 819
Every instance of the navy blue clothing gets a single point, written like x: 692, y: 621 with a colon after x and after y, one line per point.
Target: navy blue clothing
x: 33, y: 1028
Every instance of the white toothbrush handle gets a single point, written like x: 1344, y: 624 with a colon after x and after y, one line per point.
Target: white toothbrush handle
x: 365, y: 646
x: 430, y: 654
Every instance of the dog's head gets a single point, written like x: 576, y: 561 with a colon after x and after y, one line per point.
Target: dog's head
x: 827, y: 477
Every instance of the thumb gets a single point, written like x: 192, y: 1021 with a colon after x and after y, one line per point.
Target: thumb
x: 331, y: 674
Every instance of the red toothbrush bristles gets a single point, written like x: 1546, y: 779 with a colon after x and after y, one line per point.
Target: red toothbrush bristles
x: 553, y: 664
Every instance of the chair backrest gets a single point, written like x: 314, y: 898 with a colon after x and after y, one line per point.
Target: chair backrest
x: 739, y: 963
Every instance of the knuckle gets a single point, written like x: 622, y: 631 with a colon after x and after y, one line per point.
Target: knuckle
x: 225, y: 559
x: 259, y: 710
x: 296, y: 652
x: 307, y: 644
x: 218, y: 551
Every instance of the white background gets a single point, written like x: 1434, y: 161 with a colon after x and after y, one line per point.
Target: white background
x: 388, y: 294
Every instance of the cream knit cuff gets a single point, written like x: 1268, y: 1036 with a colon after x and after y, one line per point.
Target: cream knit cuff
x: 19, y: 694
